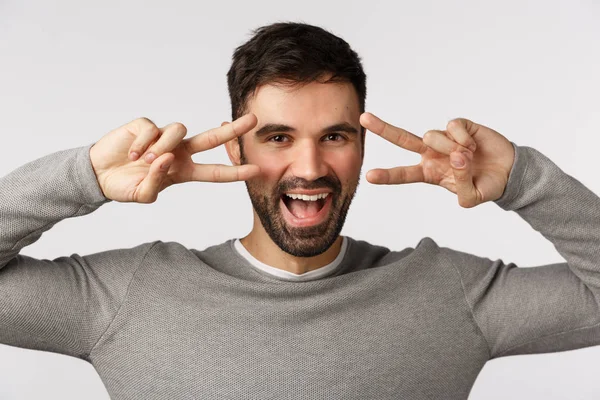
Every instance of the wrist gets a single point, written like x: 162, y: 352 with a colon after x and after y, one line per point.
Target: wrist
x: 94, y: 163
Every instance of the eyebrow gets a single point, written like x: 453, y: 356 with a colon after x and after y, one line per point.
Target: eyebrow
x: 270, y: 128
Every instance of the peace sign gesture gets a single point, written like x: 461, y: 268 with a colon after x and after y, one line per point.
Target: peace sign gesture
x: 486, y: 156
x: 138, y: 160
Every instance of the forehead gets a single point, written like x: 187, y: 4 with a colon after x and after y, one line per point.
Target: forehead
x: 315, y: 102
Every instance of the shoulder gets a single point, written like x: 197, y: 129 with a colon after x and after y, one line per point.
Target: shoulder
x: 178, y: 253
x: 367, y: 253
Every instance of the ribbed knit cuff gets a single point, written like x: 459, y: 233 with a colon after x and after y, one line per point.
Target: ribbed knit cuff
x: 90, y: 188
x: 515, y: 178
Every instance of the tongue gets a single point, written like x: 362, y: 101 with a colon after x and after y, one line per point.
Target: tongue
x: 303, y: 209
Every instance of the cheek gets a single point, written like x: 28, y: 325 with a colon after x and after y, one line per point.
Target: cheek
x: 271, y: 169
x: 347, y: 167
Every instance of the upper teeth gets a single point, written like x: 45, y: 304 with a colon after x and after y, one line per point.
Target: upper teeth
x: 306, y: 197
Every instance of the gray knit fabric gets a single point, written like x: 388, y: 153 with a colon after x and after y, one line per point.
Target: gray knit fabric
x: 161, y: 321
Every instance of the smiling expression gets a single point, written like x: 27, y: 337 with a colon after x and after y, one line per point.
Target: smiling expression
x: 309, y: 145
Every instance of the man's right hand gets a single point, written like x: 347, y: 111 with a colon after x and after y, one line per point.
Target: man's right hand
x: 124, y: 177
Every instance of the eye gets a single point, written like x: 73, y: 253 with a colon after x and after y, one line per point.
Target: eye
x: 277, y: 138
x: 335, y: 137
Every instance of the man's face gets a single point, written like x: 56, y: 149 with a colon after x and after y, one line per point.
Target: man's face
x: 307, y: 142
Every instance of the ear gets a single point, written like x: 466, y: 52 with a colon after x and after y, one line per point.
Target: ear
x: 233, y: 149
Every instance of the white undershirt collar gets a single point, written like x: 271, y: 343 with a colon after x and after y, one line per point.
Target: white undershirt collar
x: 290, y: 276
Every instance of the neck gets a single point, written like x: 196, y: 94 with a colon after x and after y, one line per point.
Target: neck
x: 261, y: 246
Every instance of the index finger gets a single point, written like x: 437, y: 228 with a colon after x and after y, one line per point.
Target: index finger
x: 217, y: 136
x: 393, y: 134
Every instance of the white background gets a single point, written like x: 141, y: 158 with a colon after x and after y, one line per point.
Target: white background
x: 71, y: 71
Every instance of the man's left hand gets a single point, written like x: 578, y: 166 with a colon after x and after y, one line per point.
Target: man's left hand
x: 487, y: 159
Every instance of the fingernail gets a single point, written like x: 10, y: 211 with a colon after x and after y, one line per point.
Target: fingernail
x: 149, y: 158
x: 457, y: 161
x: 134, y: 155
x: 472, y: 147
x: 165, y: 165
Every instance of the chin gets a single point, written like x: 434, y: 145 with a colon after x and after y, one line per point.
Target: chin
x: 308, y: 241
x: 307, y: 249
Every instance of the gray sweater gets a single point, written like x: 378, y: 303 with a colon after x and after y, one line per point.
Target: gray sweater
x: 162, y: 321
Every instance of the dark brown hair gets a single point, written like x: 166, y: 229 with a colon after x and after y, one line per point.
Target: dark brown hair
x: 292, y: 53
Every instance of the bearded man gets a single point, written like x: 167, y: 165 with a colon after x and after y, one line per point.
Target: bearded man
x: 294, y: 310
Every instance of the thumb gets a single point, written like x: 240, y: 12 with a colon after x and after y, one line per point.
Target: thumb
x: 150, y: 186
x: 461, y: 163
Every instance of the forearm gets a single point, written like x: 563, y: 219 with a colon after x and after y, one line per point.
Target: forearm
x: 37, y: 195
x: 561, y: 208
x: 543, y: 308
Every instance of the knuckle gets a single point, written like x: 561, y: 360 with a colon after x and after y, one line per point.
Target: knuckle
x: 147, y: 131
x: 401, y: 175
x: 428, y: 135
x: 466, y: 202
x: 180, y: 128
x: 402, y: 140
x: 454, y: 124
x: 175, y: 129
x: 142, y: 197
x: 145, y: 123
x: 216, y: 174
x: 212, y: 139
x: 152, y: 194
x: 232, y: 127
x: 153, y: 130
x: 149, y: 199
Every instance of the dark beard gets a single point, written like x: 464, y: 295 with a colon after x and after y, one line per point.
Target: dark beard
x: 301, y: 241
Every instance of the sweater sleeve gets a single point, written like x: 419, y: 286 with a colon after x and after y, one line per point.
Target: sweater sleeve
x: 62, y: 305
x: 546, y: 308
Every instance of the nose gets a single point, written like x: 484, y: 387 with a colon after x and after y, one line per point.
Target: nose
x: 308, y: 162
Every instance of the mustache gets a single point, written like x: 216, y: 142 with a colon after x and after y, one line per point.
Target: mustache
x: 324, y: 182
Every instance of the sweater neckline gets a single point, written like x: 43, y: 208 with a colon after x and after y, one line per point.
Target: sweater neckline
x: 290, y: 276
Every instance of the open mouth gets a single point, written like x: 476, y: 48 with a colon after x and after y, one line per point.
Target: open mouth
x: 302, y: 210
x: 304, y: 206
